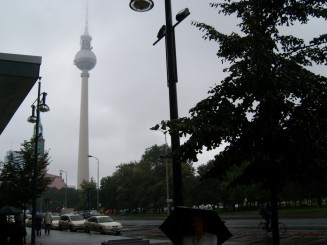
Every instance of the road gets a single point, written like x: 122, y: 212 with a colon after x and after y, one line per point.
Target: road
x: 148, y: 229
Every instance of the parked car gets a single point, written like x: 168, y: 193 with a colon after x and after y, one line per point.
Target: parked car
x: 72, y: 222
x: 102, y: 224
x: 55, y: 222
x: 28, y: 220
x: 89, y: 213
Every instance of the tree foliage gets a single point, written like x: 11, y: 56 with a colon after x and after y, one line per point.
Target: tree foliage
x: 139, y: 186
x: 17, y: 174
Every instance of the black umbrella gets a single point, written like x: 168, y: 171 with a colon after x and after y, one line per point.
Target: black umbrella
x: 7, y: 210
x: 39, y: 215
x: 178, y: 224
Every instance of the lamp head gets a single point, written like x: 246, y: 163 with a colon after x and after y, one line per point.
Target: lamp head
x: 155, y: 127
x: 43, y: 106
x: 32, y: 119
x: 162, y: 32
x: 181, y: 15
x: 141, y: 5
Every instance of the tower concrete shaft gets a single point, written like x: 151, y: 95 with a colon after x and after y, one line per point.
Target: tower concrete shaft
x: 83, y: 148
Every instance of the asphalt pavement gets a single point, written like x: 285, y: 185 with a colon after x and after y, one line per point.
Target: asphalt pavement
x: 301, y: 237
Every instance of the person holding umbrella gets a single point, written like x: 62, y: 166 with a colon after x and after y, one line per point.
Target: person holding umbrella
x: 38, y: 224
x: 194, y: 226
x: 17, y: 231
x: 198, y: 235
x: 4, y: 230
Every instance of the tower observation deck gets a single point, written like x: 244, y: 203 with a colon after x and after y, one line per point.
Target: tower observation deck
x: 85, y: 59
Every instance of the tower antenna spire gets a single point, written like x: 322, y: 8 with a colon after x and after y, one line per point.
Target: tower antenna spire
x: 87, y: 19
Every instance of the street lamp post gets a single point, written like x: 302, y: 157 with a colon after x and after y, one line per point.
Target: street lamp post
x: 40, y: 106
x: 66, y: 185
x: 168, y: 200
x: 98, y: 184
x: 168, y: 31
x: 167, y: 180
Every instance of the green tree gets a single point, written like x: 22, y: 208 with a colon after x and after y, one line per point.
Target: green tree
x: 138, y: 186
x: 57, y: 200
x: 130, y: 180
x: 141, y: 186
x: 153, y: 163
x: 108, y: 192
x: 17, y: 174
x: 88, y: 195
x: 267, y: 98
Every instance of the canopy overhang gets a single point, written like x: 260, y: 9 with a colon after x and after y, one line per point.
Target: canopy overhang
x: 18, y: 74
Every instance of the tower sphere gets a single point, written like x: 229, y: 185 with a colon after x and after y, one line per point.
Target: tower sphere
x: 85, y: 60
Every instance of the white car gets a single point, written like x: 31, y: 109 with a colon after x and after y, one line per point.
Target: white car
x: 28, y: 220
x: 102, y: 224
x: 72, y: 222
x: 55, y: 222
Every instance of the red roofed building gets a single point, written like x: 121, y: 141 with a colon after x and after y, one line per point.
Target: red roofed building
x: 58, y: 182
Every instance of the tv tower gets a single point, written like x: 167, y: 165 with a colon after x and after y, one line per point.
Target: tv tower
x: 85, y: 60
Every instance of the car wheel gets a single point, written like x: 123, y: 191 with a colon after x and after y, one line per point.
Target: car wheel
x: 71, y: 228
x: 60, y: 228
x: 101, y: 230
x: 117, y: 233
x: 87, y: 229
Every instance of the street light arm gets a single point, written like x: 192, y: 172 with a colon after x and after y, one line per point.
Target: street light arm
x: 63, y: 171
x: 93, y: 157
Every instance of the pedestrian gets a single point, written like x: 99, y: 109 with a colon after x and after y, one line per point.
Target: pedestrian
x: 47, y: 223
x: 17, y: 231
x: 199, y: 235
x: 38, y: 224
x: 4, y: 230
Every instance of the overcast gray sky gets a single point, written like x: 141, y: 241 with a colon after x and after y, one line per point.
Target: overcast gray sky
x: 128, y: 91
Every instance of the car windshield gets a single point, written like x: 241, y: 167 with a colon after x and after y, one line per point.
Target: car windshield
x: 105, y: 219
x: 76, y: 218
